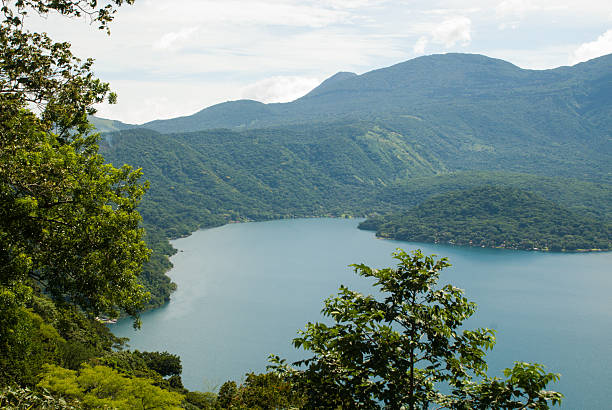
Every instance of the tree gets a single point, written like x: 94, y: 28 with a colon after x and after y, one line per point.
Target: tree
x: 164, y: 363
x: 408, y: 349
x: 103, y: 387
x: 68, y: 221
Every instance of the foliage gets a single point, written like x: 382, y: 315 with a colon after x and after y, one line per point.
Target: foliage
x: 201, y: 400
x: 592, y: 199
x: 164, y: 363
x: 69, y: 228
x: 100, y: 386
x: 153, y: 276
x: 26, y: 341
x: 17, y: 398
x: 408, y: 349
x: 494, y: 217
x: 259, y: 391
x: 153, y: 366
x: 68, y: 222
x: 15, y: 11
x: 226, y: 394
x: 524, y: 387
x: 36, y: 331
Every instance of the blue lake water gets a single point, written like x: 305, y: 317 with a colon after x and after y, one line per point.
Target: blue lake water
x: 245, y: 289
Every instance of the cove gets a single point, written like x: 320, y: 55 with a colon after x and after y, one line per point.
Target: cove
x: 245, y: 289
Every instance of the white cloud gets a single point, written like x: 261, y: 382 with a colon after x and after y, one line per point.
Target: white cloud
x: 352, y: 4
x: 169, y: 39
x: 280, y: 88
x: 515, y: 8
x: 195, y: 53
x: 520, y: 8
x: 454, y: 11
x: 258, y: 12
x: 593, y: 49
x: 420, y: 45
x: 513, y: 12
x: 513, y: 25
x: 143, y: 101
x: 446, y: 33
x: 453, y: 30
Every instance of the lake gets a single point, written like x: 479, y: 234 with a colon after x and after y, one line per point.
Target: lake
x: 245, y: 289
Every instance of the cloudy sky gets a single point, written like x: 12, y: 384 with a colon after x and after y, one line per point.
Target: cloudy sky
x: 167, y: 59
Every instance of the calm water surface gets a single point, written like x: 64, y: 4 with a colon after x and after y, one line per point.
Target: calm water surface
x: 245, y: 289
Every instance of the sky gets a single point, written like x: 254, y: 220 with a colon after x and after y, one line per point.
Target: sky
x: 168, y: 59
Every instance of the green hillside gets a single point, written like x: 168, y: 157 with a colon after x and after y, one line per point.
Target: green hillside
x: 593, y: 199
x: 106, y: 125
x: 495, y: 217
x: 268, y: 173
x: 209, y: 178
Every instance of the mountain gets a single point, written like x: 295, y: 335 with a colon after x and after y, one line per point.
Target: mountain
x: 491, y: 111
x: 330, y: 84
x: 438, y: 87
x: 495, y: 217
x: 233, y: 114
x: 105, y: 125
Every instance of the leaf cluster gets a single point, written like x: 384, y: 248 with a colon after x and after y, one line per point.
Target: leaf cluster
x: 100, y: 387
x: 68, y: 220
x: 407, y: 349
x: 102, y: 13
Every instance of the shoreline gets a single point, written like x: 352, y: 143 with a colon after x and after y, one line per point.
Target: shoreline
x: 593, y: 250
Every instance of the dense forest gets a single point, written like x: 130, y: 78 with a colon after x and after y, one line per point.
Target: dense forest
x: 84, y: 237
x: 495, y: 217
x: 208, y: 178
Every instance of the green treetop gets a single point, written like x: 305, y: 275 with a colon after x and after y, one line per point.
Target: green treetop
x: 68, y: 222
x: 408, y: 349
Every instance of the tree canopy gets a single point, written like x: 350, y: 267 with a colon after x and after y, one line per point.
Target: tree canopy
x: 68, y: 221
x: 493, y: 216
x: 408, y: 349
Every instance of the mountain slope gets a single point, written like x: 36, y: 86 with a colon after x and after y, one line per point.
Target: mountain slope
x: 206, y: 177
x: 494, y: 217
x: 425, y: 87
x: 106, y: 125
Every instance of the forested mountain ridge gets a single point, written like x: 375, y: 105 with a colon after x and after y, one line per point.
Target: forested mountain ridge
x: 462, y: 91
x: 494, y: 217
x: 569, y: 103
